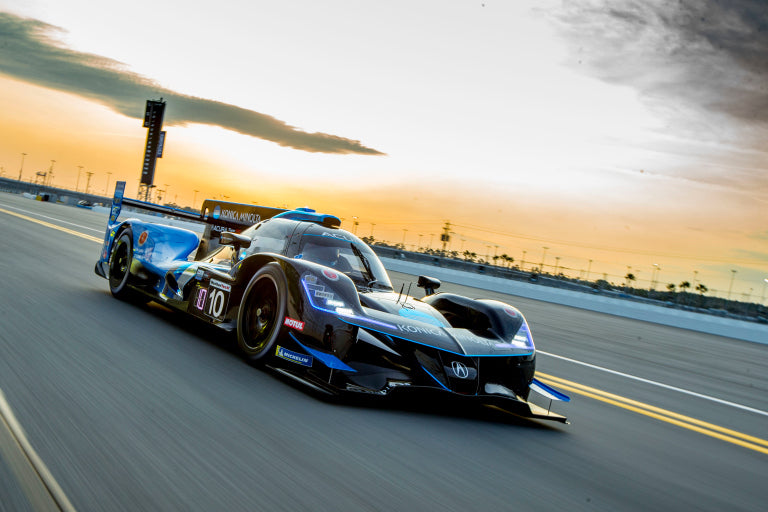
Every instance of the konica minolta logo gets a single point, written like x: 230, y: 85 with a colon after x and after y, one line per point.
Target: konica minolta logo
x: 412, y: 329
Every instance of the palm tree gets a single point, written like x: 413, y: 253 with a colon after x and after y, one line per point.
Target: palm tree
x: 671, y: 289
x: 702, y: 289
x: 629, y: 278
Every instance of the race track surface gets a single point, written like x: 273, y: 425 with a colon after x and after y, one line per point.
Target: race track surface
x: 132, y: 408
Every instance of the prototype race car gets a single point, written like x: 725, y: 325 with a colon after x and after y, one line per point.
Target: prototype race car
x: 315, y: 303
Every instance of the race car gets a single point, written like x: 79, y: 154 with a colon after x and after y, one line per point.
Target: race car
x: 315, y: 303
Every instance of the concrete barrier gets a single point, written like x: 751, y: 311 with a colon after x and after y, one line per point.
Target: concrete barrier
x: 748, y: 331
x: 700, y: 322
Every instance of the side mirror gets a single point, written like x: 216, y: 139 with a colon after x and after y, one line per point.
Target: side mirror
x: 430, y: 284
x: 235, y: 239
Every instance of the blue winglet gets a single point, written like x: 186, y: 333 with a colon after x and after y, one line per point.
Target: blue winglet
x: 328, y: 360
x: 548, y: 391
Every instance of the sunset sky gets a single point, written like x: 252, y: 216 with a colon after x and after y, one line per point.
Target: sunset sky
x: 630, y: 133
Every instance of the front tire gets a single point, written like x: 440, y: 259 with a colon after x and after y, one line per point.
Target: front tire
x: 262, y: 312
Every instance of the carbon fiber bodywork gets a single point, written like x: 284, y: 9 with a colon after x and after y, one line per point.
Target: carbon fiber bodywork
x: 337, y: 326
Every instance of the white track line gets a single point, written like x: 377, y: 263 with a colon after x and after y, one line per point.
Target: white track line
x: 55, y: 491
x: 53, y: 218
x: 659, y: 384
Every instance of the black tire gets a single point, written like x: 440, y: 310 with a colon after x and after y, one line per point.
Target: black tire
x: 119, y: 272
x: 262, y: 312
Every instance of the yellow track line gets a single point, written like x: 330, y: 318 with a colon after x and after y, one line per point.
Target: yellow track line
x: 702, y: 427
x: 53, y: 226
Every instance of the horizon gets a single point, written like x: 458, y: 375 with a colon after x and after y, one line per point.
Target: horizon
x: 628, y: 136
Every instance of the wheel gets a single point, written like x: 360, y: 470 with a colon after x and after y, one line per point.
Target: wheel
x: 120, y: 266
x: 262, y: 312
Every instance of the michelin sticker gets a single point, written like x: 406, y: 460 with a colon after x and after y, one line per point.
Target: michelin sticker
x: 294, y: 357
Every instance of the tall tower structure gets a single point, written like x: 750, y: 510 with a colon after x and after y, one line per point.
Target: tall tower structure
x: 153, y: 121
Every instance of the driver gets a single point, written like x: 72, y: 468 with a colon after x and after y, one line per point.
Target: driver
x: 327, y: 256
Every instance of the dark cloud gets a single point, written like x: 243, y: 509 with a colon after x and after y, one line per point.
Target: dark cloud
x: 28, y: 52
x: 707, y: 55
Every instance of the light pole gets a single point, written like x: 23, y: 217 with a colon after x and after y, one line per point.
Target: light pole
x: 194, y: 198
x: 77, y: 184
x: 589, y: 269
x: 543, y: 254
x: 730, y: 287
x: 373, y: 225
x: 404, y: 232
x: 22, y: 165
x: 50, y: 173
x: 522, y: 263
x: 655, y: 276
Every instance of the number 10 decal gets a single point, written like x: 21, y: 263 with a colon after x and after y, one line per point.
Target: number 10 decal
x: 216, y: 303
x: 212, y: 302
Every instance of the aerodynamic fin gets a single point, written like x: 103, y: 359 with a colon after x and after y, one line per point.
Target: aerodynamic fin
x: 548, y: 391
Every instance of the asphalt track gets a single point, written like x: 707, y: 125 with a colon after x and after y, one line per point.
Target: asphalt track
x: 130, y: 408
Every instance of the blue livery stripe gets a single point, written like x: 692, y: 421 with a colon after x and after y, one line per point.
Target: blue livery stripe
x: 328, y: 360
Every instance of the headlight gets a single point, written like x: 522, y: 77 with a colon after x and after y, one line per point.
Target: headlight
x: 322, y: 299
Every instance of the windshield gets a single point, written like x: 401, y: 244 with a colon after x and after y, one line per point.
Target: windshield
x: 347, y: 256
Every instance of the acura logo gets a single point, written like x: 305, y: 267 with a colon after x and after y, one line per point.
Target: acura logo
x: 460, y: 370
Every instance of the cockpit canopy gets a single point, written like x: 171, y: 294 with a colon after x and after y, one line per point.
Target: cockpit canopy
x: 311, y: 241
x: 344, y: 253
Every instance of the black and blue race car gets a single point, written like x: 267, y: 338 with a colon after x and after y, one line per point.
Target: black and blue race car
x: 315, y: 303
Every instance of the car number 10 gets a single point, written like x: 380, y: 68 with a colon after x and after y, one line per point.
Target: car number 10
x: 216, y: 303
x: 212, y: 304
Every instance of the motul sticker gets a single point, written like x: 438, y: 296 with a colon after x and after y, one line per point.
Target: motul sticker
x: 143, y: 238
x: 294, y: 324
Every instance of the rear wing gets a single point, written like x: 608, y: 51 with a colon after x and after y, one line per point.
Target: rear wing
x: 217, y: 216
x: 222, y: 216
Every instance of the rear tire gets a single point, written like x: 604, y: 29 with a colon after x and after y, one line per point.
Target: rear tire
x: 120, y: 266
x: 262, y: 312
